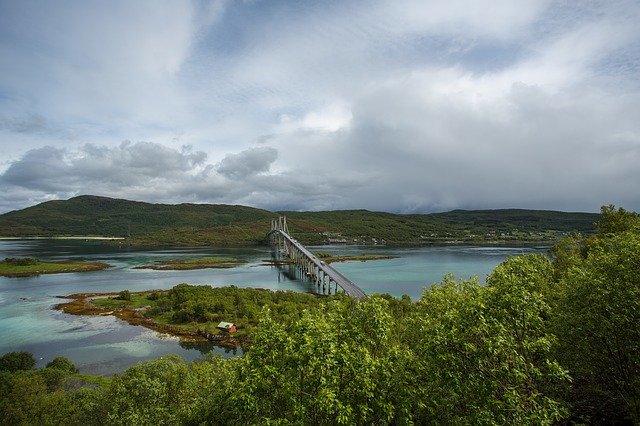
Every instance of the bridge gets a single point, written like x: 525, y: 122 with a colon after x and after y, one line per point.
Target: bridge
x: 320, y: 272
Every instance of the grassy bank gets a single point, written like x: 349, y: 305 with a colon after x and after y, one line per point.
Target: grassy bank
x: 27, y: 267
x: 199, y: 263
x: 329, y: 258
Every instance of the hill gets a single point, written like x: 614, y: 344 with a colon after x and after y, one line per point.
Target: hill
x: 451, y: 227
x: 144, y: 223
x: 218, y: 224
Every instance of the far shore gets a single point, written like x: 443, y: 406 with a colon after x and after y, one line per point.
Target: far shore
x: 63, y: 238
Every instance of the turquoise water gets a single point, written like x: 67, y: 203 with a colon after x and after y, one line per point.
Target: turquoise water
x: 104, y: 345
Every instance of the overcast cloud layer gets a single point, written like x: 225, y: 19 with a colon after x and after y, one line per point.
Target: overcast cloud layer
x: 400, y: 105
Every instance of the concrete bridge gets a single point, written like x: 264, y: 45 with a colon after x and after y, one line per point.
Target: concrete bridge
x: 322, y: 274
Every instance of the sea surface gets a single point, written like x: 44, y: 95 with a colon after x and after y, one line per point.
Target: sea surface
x: 107, y: 345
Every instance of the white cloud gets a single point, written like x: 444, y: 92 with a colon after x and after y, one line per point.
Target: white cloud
x: 400, y: 105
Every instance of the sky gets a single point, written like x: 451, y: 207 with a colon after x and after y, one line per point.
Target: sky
x: 408, y: 106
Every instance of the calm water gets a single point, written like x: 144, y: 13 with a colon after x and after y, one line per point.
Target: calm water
x: 104, y: 345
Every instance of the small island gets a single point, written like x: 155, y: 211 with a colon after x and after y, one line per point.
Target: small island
x: 330, y: 258
x: 28, y: 267
x: 197, y: 263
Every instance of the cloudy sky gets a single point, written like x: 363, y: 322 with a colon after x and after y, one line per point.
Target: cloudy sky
x: 399, y: 105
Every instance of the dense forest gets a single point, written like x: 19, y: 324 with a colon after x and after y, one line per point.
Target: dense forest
x: 145, y: 224
x: 546, y: 340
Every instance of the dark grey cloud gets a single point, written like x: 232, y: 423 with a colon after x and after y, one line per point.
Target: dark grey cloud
x: 142, y: 170
x: 60, y: 170
x: 248, y: 162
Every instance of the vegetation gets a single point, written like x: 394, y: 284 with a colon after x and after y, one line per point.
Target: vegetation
x: 458, y: 226
x: 544, y: 341
x: 202, y: 224
x: 26, y: 267
x: 193, y: 312
x: 198, y: 263
x: 330, y: 258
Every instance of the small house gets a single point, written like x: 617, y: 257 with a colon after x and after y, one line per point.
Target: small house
x: 229, y: 327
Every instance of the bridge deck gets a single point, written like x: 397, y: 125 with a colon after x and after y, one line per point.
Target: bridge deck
x: 347, y: 285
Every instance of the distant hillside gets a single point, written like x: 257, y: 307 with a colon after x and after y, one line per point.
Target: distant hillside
x: 89, y: 215
x: 215, y: 224
x: 455, y: 226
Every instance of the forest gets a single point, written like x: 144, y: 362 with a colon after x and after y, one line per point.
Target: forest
x: 549, y: 339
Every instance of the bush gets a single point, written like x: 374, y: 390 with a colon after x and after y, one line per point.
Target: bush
x: 16, y: 361
x: 62, y: 363
x: 124, y: 295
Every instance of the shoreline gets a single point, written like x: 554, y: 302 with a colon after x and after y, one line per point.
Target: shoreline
x: 64, y: 238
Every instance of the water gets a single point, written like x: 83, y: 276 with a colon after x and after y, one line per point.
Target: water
x: 105, y: 345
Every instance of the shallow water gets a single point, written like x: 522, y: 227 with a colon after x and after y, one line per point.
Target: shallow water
x: 105, y: 345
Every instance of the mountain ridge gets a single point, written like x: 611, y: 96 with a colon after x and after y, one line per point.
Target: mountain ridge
x: 222, y: 224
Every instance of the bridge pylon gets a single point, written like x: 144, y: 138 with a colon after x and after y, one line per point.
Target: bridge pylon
x: 316, y: 269
x: 279, y: 226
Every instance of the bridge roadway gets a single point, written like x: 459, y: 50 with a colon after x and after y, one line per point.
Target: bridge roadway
x: 349, y: 287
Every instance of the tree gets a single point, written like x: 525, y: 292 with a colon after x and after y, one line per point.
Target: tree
x: 483, y: 353
x: 338, y: 364
x: 15, y: 361
x: 124, y: 295
x: 597, y: 323
x: 62, y: 363
x: 614, y: 221
x: 147, y: 393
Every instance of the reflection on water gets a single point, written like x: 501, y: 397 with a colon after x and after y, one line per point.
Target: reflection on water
x: 104, y: 345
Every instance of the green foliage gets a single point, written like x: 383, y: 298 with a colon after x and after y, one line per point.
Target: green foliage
x: 458, y: 225
x: 598, y: 317
x: 36, y: 397
x: 168, y: 391
x: 486, y: 350
x: 205, y: 305
x: 614, y: 221
x: 124, y: 295
x: 545, y: 341
x: 568, y: 252
x: 30, y: 267
x: 62, y: 363
x: 148, y: 393
x: 337, y: 364
x: 15, y: 361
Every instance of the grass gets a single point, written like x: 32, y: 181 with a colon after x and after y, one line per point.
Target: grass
x: 329, y: 258
x: 31, y: 267
x: 198, y: 263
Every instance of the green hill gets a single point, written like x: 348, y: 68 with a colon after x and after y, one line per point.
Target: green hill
x: 146, y: 223
x: 217, y: 224
x: 455, y: 226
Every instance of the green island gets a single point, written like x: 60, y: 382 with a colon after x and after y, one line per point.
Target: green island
x: 197, y: 263
x: 330, y: 258
x: 193, y: 312
x: 27, y: 267
x: 547, y: 340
